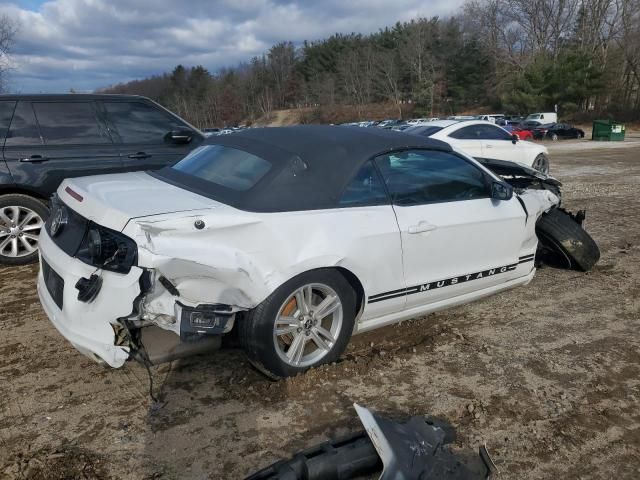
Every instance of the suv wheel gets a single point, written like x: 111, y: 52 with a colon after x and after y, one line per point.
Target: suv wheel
x: 21, y: 220
x: 306, y: 322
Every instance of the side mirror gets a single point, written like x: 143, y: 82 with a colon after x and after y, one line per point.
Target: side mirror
x: 181, y: 135
x: 501, y: 191
x: 514, y: 138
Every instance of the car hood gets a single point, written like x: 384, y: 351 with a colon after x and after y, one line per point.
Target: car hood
x: 112, y: 200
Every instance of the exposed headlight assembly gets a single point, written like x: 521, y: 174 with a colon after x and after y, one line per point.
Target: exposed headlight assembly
x: 107, y: 249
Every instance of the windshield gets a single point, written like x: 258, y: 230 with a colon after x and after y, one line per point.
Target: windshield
x: 225, y: 166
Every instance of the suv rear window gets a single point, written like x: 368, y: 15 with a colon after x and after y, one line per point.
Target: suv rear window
x: 69, y: 123
x: 6, y: 112
x: 24, y: 130
x: 224, y: 166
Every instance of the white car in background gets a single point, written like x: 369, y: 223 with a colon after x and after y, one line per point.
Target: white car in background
x: 481, y: 139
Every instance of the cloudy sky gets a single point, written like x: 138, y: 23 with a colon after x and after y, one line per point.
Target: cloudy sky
x: 86, y: 44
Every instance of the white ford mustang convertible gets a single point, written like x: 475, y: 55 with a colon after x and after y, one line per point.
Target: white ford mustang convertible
x: 296, y: 237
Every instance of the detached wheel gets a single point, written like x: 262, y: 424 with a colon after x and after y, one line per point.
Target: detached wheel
x: 564, y: 243
x: 306, y: 322
x: 21, y: 220
x: 541, y: 163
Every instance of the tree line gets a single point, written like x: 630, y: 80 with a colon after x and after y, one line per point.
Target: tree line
x: 512, y: 56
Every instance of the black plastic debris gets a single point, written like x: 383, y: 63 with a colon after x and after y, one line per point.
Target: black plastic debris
x: 415, y: 450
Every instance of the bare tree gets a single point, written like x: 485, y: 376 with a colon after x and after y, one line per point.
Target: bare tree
x: 8, y: 30
x: 389, y: 76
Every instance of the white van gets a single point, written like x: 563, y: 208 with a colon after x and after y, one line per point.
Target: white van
x: 546, y: 117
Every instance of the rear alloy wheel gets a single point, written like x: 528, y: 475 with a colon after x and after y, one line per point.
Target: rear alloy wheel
x: 554, y: 137
x: 541, y: 163
x: 21, y: 220
x: 306, y: 322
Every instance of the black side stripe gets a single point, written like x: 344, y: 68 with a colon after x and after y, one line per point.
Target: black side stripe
x: 447, y: 282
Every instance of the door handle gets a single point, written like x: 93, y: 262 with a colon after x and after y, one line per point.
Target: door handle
x: 139, y: 155
x: 34, y: 159
x: 421, y: 227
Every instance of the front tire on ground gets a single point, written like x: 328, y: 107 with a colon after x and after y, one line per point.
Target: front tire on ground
x: 306, y: 322
x: 541, y: 163
x: 564, y: 243
x: 21, y: 219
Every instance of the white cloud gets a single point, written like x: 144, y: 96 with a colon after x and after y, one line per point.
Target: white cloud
x: 86, y: 44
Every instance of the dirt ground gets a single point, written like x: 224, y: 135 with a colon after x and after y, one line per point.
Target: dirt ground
x: 547, y: 375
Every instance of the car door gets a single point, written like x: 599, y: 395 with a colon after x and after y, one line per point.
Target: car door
x: 49, y: 141
x: 467, y: 139
x: 455, y: 238
x: 497, y: 143
x: 142, y: 131
x: 366, y: 207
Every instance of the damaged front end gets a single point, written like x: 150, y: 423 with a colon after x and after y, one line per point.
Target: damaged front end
x: 562, y: 240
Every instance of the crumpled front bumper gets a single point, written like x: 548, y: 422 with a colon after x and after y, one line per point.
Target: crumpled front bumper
x: 88, y: 326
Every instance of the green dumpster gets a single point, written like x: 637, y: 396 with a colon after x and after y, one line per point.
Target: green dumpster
x: 607, y: 130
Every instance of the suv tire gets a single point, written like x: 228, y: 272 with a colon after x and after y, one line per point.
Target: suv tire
x: 21, y: 219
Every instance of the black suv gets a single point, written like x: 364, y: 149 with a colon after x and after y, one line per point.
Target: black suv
x: 47, y: 138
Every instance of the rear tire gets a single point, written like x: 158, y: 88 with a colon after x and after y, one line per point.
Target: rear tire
x: 322, y: 340
x: 564, y: 243
x: 21, y: 219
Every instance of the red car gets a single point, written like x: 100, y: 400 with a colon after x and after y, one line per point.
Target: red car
x: 522, y: 134
x: 520, y: 131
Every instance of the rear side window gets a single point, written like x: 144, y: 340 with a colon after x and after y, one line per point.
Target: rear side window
x: 6, y: 112
x: 23, y: 129
x: 416, y: 177
x: 224, y: 166
x: 480, y: 132
x: 365, y: 189
x: 138, y: 122
x: 422, y: 130
x: 69, y: 123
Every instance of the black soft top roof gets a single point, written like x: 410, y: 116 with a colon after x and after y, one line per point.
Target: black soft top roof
x: 311, y: 164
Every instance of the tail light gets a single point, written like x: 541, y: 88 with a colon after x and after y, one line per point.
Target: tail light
x: 107, y: 249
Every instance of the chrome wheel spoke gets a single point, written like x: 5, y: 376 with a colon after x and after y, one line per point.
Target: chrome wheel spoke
x: 4, y: 217
x: 4, y: 244
x: 14, y: 247
x: 30, y: 236
x: 326, y: 307
x: 30, y: 216
x: 32, y: 227
x: 301, y: 301
x: 319, y: 341
x: 285, y: 325
x: 323, y: 332
x: 27, y: 246
x: 296, y: 349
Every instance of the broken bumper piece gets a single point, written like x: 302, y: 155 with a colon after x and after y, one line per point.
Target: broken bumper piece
x: 415, y: 450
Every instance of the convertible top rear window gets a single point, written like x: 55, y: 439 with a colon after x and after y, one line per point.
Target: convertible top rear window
x: 224, y: 166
